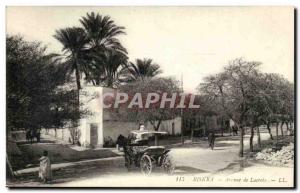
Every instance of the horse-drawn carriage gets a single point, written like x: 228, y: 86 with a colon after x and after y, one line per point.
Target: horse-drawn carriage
x: 138, y: 153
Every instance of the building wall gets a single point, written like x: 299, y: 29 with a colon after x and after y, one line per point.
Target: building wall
x: 108, y: 125
x: 167, y: 126
x: 90, y: 99
x: 113, y: 128
x: 212, y: 122
x: 203, y: 124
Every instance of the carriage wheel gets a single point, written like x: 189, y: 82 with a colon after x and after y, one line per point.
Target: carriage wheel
x: 168, y: 164
x: 146, y: 164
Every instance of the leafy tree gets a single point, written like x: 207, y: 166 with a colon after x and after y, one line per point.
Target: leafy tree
x: 208, y: 108
x: 231, y: 89
x: 280, y: 98
x: 259, y: 108
x: 213, y: 92
x: 249, y: 97
x: 33, y: 81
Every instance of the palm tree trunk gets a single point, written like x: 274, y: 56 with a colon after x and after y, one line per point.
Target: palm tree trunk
x: 77, y: 76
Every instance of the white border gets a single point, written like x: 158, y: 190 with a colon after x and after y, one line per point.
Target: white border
x: 152, y: 2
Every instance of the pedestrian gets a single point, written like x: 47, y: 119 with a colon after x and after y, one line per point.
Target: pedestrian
x: 38, y: 136
x: 28, y: 135
x: 211, y: 139
x: 235, y: 130
x: 45, y: 172
x: 32, y: 135
x: 142, y: 127
x: 120, y: 142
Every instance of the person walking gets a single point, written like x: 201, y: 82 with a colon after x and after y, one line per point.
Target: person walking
x: 211, y: 139
x: 45, y: 172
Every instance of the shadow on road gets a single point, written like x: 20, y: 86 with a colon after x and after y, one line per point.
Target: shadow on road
x: 188, y: 170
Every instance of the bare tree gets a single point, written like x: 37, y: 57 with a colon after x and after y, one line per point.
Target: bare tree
x: 231, y: 89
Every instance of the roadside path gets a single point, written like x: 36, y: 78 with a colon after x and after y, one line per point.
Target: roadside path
x: 70, y: 164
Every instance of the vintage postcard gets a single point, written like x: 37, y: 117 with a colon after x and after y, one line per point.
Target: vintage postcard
x: 150, y: 97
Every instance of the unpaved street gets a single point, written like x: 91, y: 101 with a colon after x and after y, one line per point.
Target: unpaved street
x: 192, y: 159
x: 198, y: 166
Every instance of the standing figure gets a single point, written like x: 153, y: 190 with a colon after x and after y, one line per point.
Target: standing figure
x: 38, y: 135
x: 28, y: 133
x: 45, y: 172
x: 142, y: 127
x: 235, y: 130
x: 120, y: 142
x: 211, y: 139
x: 32, y: 135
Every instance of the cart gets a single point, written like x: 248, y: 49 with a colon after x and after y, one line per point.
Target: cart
x: 138, y: 154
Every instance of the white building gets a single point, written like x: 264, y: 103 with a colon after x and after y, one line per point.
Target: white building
x: 98, y: 125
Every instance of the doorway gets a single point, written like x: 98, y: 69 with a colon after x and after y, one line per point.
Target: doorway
x: 94, y: 134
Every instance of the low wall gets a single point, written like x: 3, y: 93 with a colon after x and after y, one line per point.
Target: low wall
x: 113, y: 128
x: 61, y: 134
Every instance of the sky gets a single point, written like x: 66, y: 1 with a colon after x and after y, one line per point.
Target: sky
x: 191, y: 42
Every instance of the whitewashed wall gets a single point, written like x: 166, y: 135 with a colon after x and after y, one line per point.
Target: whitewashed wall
x: 90, y: 98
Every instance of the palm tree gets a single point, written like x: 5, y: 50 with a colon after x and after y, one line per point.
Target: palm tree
x: 141, y: 69
x: 74, y: 42
x: 102, y: 31
x: 105, y: 53
x: 110, y: 69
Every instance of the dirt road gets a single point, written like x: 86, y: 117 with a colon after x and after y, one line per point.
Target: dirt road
x: 191, y: 159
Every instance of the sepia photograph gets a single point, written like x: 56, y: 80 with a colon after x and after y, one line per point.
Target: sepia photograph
x: 150, y: 96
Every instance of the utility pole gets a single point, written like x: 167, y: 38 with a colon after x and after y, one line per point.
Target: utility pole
x: 181, y: 112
